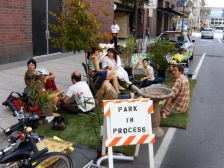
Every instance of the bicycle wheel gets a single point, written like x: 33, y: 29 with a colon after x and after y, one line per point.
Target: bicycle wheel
x: 53, y: 160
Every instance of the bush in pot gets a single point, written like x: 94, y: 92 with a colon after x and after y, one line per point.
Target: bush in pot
x: 128, y: 48
x: 158, y: 53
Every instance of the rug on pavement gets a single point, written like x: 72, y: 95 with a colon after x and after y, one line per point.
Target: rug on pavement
x: 180, y: 120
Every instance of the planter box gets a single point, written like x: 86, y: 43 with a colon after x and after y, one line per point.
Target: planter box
x: 46, y: 111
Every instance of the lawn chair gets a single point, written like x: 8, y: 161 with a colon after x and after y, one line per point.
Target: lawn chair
x: 89, y: 79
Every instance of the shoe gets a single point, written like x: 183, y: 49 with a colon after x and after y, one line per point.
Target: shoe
x: 128, y: 82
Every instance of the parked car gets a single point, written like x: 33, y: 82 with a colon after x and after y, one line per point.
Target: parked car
x: 207, y: 32
x: 183, y: 43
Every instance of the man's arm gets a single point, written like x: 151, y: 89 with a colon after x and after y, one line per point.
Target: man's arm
x: 65, y: 99
x: 168, y: 101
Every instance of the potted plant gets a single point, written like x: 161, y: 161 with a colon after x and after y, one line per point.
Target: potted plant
x: 33, y: 95
x: 158, y: 53
x: 44, y: 101
x: 128, y: 48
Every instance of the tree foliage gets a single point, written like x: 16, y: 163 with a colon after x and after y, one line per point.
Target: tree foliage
x: 78, y: 28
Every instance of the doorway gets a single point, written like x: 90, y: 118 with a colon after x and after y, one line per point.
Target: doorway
x: 39, y: 28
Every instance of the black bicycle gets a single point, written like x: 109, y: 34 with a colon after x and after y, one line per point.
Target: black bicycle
x: 22, y: 151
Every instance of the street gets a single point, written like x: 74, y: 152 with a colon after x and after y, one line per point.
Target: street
x: 200, y: 145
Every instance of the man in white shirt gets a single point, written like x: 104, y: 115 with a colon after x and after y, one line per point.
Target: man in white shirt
x: 114, y: 32
x: 83, y: 98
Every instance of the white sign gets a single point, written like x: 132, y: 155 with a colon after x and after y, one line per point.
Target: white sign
x: 129, y: 119
x: 152, y: 4
x: 127, y: 122
x: 150, y: 12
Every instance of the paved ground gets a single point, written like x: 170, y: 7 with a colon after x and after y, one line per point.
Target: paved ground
x: 62, y: 64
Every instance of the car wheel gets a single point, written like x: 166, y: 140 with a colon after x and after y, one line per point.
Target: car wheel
x: 202, y: 37
x: 187, y: 63
x: 192, y: 56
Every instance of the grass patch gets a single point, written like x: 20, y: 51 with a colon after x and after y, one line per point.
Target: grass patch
x: 80, y: 131
x: 180, y: 120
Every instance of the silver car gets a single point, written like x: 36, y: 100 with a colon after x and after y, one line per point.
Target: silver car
x: 207, y: 32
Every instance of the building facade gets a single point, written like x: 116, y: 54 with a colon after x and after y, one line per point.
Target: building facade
x: 15, y: 31
x: 23, y: 34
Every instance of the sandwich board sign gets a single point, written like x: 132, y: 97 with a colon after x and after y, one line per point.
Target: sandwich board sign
x: 127, y: 122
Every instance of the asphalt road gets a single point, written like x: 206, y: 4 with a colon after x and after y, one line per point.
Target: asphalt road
x: 201, y: 144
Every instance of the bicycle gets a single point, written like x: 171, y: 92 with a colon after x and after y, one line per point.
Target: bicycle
x: 22, y: 151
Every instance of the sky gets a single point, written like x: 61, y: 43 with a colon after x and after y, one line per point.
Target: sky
x: 215, y: 3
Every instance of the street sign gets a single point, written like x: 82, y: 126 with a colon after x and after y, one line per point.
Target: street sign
x: 150, y: 12
x: 152, y: 4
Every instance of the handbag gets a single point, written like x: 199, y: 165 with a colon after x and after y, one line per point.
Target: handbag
x: 17, y: 100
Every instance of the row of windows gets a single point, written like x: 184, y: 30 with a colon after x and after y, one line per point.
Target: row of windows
x: 217, y: 22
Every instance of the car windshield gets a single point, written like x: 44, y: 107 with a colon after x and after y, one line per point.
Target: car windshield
x: 173, y: 37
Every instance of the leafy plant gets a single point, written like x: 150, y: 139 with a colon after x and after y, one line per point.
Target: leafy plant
x: 127, y: 51
x: 44, y: 101
x: 33, y: 94
x: 79, y: 29
x: 158, y: 53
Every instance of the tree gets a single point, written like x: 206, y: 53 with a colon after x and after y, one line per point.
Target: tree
x: 135, y: 4
x: 78, y: 28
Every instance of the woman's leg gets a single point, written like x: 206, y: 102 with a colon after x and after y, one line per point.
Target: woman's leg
x: 114, y: 80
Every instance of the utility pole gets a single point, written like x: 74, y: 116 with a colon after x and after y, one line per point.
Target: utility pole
x: 184, y: 5
x: 136, y: 17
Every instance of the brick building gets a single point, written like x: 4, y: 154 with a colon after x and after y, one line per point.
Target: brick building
x: 23, y: 33
x: 15, y: 30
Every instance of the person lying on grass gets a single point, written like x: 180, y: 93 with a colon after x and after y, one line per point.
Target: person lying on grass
x: 108, y: 92
x: 179, y: 102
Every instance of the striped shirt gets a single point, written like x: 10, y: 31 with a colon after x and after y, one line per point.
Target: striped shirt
x: 180, y: 99
x: 91, y: 64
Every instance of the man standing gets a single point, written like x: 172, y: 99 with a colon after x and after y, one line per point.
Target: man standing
x: 83, y: 98
x: 179, y: 102
x: 114, y: 32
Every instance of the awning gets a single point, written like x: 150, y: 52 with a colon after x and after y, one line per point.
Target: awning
x: 122, y: 8
x: 170, y: 10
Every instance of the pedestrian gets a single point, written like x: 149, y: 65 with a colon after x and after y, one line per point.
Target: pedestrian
x: 179, y: 102
x: 83, y: 99
x: 114, y: 32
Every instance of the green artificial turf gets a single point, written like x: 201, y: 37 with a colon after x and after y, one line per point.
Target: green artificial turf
x: 180, y: 120
x: 84, y: 129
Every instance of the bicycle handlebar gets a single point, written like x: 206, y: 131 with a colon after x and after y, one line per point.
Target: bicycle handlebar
x: 7, y: 149
x: 22, y: 118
